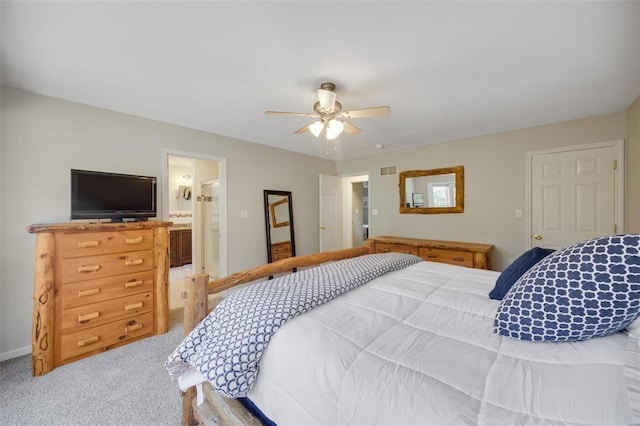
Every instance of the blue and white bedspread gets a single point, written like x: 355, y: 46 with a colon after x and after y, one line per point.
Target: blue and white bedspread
x: 227, y: 345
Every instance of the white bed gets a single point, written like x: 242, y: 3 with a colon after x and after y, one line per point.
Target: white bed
x: 417, y: 347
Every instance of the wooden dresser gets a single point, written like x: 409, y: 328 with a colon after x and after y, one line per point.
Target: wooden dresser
x: 471, y: 255
x: 97, y: 287
x: 281, y: 250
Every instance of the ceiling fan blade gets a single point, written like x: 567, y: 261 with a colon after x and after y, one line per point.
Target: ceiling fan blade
x: 367, y: 112
x: 327, y: 99
x: 302, y: 130
x: 295, y: 114
x: 350, y: 129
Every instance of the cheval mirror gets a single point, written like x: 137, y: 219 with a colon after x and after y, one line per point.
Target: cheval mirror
x: 432, y: 191
x: 278, y: 213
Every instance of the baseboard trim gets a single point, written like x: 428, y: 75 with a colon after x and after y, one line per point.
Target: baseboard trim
x: 26, y: 350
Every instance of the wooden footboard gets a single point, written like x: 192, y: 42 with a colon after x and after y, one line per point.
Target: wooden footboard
x: 217, y: 409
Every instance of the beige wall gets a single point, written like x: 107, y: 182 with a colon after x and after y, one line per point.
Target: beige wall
x: 42, y: 138
x: 494, y: 182
x: 633, y: 168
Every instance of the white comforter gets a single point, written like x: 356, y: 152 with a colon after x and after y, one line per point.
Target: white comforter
x: 416, y: 347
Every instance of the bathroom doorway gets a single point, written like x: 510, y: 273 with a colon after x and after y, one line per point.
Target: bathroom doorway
x: 194, y: 200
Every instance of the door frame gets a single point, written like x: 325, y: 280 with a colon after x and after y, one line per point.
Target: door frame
x: 617, y: 144
x: 347, y: 202
x: 222, y: 172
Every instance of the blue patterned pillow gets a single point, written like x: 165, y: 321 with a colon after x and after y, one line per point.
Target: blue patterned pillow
x: 522, y: 264
x: 586, y: 290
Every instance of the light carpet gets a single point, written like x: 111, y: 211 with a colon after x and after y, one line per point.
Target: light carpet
x: 124, y: 386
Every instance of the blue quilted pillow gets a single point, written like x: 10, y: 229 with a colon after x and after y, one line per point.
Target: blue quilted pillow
x: 522, y: 264
x: 586, y: 290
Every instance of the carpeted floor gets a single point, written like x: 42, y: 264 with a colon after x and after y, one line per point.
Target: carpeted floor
x: 125, y: 386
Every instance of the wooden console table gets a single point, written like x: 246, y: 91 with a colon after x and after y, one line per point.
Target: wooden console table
x: 471, y: 255
x: 97, y: 286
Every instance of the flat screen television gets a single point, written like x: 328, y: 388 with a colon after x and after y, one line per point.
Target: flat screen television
x: 115, y: 196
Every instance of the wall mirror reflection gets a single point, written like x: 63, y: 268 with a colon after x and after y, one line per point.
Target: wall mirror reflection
x: 278, y: 212
x: 432, y: 191
x: 184, y: 197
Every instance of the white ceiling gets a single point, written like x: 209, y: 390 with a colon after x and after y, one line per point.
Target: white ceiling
x: 448, y: 70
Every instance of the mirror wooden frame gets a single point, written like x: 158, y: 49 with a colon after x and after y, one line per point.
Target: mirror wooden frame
x: 270, y: 219
x: 274, y: 218
x: 459, y: 173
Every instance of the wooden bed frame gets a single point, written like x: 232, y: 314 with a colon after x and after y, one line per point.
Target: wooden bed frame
x: 219, y: 410
x: 216, y: 409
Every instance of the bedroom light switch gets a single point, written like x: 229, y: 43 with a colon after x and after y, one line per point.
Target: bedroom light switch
x: 518, y: 213
x: 244, y: 214
x: 374, y: 212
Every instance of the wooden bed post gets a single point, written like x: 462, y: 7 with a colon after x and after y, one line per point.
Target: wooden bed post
x: 195, y: 300
x: 195, y: 309
x: 370, y: 245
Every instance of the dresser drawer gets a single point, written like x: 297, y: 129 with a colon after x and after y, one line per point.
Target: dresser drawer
x: 94, y: 243
x: 87, y: 316
x: 284, y: 247
x: 88, y: 292
x: 397, y: 248
x: 92, y: 267
x: 447, y: 256
x: 104, y: 336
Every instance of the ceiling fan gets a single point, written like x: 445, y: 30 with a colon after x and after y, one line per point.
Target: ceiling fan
x: 330, y: 116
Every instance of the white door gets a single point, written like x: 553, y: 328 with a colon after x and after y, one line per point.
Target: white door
x: 574, y: 195
x: 330, y: 213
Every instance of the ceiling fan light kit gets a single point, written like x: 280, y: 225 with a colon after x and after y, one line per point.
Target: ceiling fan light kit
x: 330, y: 117
x: 316, y: 128
x: 334, y: 128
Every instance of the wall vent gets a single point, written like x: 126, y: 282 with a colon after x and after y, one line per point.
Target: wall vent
x: 388, y: 170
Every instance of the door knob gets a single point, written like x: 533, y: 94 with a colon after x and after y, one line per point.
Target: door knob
x: 537, y: 237
x: 322, y: 227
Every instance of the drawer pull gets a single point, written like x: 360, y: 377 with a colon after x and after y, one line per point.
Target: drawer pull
x: 82, y: 293
x: 130, y: 284
x: 133, y: 262
x: 133, y: 327
x: 458, y: 259
x: 88, y: 341
x: 85, y: 244
x: 137, y: 240
x: 87, y: 317
x: 431, y: 256
x: 133, y: 306
x: 85, y: 269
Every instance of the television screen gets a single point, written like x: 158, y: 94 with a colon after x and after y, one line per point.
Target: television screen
x: 102, y: 195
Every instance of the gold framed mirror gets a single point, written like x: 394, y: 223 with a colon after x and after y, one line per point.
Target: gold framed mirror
x: 432, y: 191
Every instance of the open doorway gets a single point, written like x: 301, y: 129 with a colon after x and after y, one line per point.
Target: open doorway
x: 194, y: 200
x: 356, y: 211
